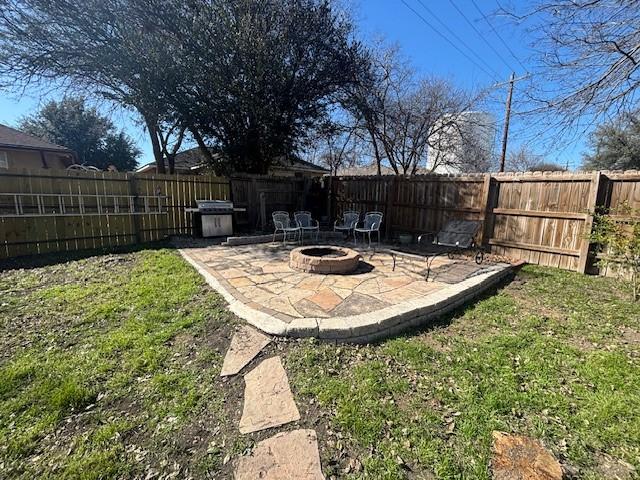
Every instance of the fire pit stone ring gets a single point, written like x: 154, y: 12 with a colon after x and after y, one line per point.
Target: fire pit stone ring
x: 324, y: 259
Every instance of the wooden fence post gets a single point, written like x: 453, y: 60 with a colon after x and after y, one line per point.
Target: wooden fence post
x: 391, y: 197
x: 263, y: 212
x: 486, y: 215
x: 255, y: 200
x: 598, y: 183
x: 133, y: 191
x: 329, y: 203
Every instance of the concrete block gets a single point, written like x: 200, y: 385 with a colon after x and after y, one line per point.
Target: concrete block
x: 303, y: 327
x: 333, y: 328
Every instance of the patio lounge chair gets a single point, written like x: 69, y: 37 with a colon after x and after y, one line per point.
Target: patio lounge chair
x: 455, y: 237
x: 347, y: 223
x: 371, y: 224
x: 306, y: 224
x: 282, y: 223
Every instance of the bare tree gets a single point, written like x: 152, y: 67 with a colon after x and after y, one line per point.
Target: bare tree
x: 387, y: 78
x: 586, y: 61
x: 107, y: 48
x: 424, y: 118
x: 404, y: 117
x: 339, y: 148
x: 337, y: 143
x: 524, y: 159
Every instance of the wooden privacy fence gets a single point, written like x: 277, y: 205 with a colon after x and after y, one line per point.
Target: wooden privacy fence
x: 51, y: 210
x: 538, y: 217
x: 262, y: 195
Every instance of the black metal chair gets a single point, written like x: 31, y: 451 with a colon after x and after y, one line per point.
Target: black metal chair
x: 455, y: 237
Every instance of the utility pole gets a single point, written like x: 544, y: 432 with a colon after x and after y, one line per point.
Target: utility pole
x: 507, y: 116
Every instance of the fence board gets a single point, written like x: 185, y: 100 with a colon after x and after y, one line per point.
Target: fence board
x: 70, y: 210
x: 538, y: 217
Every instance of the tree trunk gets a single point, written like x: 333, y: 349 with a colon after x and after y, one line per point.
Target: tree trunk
x: 171, y: 162
x: 376, y: 152
x: 203, y: 146
x: 152, y: 127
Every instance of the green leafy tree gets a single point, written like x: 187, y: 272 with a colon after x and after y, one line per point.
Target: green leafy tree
x: 249, y: 78
x: 94, y: 138
x: 263, y: 75
x: 121, y: 50
x: 615, y: 145
x: 617, y: 236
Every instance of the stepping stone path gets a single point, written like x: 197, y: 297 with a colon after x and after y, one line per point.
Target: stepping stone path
x: 268, y: 403
x: 246, y: 343
x: 522, y: 458
x: 288, y: 455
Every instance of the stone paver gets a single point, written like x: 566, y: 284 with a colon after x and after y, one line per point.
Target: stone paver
x: 517, y: 457
x: 268, y: 401
x: 286, y: 456
x: 240, y: 282
x: 246, y: 343
x: 326, y: 299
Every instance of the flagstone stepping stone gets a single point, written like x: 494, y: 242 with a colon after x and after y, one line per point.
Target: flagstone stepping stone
x: 246, y: 343
x: 517, y: 457
x: 268, y: 401
x: 288, y: 455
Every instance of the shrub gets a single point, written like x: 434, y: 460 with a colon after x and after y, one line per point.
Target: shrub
x: 617, y: 235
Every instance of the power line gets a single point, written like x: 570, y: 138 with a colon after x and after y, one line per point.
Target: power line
x: 498, y: 35
x: 447, y: 39
x: 455, y: 36
x: 480, y: 34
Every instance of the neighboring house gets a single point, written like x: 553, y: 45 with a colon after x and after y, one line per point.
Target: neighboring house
x: 192, y: 162
x: 20, y: 150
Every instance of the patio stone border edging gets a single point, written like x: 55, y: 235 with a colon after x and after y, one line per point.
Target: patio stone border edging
x: 268, y: 238
x: 366, y: 327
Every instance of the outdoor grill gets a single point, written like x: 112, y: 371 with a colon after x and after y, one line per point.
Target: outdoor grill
x: 213, y: 218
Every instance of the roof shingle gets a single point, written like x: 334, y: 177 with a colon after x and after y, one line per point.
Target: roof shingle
x: 10, y: 137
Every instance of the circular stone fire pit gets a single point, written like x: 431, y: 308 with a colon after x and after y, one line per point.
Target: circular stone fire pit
x: 324, y: 259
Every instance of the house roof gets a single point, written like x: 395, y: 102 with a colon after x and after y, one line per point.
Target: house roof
x: 298, y: 165
x: 12, y: 138
x: 192, y: 159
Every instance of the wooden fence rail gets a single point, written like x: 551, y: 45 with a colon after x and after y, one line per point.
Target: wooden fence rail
x: 542, y: 218
x: 45, y: 211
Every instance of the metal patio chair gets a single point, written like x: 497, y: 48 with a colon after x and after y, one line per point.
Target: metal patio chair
x: 307, y: 224
x: 282, y: 223
x: 347, y: 223
x: 455, y: 237
x: 371, y: 224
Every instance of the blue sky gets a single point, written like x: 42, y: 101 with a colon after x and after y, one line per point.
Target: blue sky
x: 429, y: 53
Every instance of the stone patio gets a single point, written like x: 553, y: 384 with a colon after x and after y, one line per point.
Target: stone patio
x: 373, y: 302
